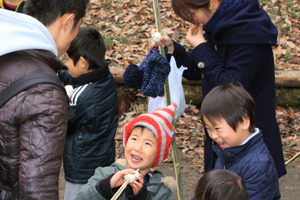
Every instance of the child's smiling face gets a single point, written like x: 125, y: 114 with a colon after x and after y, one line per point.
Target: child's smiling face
x: 140, y: 150
x: 224, y: 135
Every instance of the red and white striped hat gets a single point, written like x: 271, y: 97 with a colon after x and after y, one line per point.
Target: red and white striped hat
x: 160, y: 123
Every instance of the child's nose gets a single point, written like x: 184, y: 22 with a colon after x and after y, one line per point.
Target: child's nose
x: 138, y: 147
x: 214, y: 136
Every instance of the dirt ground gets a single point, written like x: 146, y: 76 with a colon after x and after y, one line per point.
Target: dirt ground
x: 289, y: 184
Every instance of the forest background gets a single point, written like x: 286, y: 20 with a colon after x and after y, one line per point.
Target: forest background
x: 126, y: 25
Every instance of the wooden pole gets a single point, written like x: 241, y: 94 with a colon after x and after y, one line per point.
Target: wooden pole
x: 293, y: 158
x: 168, y: 102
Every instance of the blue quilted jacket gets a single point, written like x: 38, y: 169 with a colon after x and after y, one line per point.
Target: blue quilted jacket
x: 91, y: 132
x: 254, y: 163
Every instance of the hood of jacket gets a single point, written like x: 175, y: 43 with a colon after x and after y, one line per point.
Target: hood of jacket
x: 245, y: 23
x: 22, y: 32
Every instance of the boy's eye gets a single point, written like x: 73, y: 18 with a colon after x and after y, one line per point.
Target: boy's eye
x: 148, y: 144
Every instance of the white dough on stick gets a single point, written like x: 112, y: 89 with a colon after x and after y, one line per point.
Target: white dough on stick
x: 131, y: 177
x: 156, y: 37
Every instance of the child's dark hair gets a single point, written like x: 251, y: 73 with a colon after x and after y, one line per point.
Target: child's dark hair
x: 90, y: 45
x: 231, y: 102
x: 182, y: 7
x: 47, y: 11
x: 220, y: 184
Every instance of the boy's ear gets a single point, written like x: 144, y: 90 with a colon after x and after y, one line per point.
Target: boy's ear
x: 246, y: 122
x: 83, y: 62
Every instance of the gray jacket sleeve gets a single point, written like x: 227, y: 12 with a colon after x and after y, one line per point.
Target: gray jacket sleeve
x: 89, y: 191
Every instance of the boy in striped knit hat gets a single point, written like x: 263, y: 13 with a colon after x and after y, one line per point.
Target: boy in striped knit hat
x: 147, y: 139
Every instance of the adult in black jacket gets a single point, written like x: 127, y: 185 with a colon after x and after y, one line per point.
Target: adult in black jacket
x: 236, y: 47
x: 90, y: 138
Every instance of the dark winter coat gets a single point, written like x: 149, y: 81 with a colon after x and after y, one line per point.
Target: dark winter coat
x: 90, y: 139
x: 239, y: 49
x: 33, y: 127
x: 254, y: 163
x: 33, y: 124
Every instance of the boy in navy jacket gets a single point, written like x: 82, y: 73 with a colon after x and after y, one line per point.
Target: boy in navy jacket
x: 228, y: 113
x: 90, y: 137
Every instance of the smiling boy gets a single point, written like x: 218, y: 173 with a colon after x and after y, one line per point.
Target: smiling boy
x: 147, y: 139
x: 228, y: 115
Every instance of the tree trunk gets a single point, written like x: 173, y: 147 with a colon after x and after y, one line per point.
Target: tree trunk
x: 282, y: 78
x: 287, y: 89
x: 287, y: 78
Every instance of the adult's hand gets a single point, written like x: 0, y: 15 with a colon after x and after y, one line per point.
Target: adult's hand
x: 195, y: 35
x: 165, y: 40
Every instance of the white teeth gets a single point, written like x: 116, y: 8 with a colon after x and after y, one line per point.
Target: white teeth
x: 136, y: 157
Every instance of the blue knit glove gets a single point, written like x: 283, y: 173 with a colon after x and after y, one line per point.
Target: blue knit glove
x: 151, y: 75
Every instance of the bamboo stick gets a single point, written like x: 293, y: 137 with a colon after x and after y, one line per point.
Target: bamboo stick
x: 168, y: 102
x: 120, y: 190
x: 293, y: 158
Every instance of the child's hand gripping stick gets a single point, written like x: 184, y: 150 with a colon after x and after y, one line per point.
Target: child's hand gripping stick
x: 130, y: 178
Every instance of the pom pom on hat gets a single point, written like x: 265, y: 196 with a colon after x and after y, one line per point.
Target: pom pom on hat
x: 133, y: 76
x: 154, y: 69
x: 160, y: 123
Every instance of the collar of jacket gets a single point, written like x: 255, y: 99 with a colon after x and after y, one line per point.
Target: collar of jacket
x: 225, y: 7
x: 234, y: 154
x: 246, y: 24
x: 19, y: 8
x: 92, y: 76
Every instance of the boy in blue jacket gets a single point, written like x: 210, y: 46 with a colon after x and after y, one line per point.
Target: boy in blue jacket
x: 228, y: 113
x: 147, y: 140
x: 90, y: 137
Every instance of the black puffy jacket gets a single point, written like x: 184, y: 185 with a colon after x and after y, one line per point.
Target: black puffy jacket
x: 90, y: 138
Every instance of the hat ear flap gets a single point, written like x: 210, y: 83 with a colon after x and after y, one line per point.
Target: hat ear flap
x: 133, y: 76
